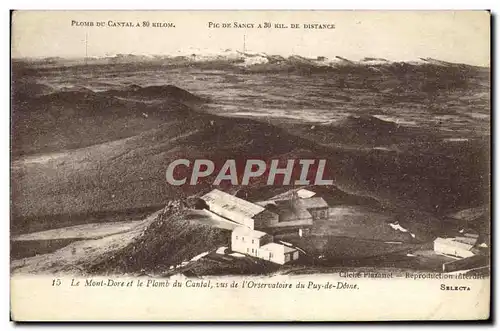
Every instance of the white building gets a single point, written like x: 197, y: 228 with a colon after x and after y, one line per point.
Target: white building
x: 457, y: 247
x: 278, y: 253
x: 248, y: 241
x: 260, y: 244
x: 238, y: 210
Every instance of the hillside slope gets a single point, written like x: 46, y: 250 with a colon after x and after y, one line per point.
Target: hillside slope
x: 130, y: 173
x: 107, y: 152
x: 167, y: 241
x: 45, y: 121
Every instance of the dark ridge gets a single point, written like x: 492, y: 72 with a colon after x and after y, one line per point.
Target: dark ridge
x: 367, y: 122
x: 72, y: 118
x: 88, y: 102
x: 81, y: 102
x: 76, y: 95
x: 155, y: 92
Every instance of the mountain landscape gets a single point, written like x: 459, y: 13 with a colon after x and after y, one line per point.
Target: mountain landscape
x: 407, y: 145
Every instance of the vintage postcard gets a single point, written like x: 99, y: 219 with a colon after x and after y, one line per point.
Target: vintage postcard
x: 250, y: 165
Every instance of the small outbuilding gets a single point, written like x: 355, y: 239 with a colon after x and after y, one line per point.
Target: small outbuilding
x: 454, y: 247
x: 279, y: 253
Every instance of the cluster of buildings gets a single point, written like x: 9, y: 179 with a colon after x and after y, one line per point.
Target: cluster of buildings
x: 293, y: 211
x: 255, y: 224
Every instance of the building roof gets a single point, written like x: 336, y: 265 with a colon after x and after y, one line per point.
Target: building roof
x: 283, y: 196
x: 244, y: 231
x: 453, y: 242
x: 304, y: 194
x: 274, y: 247
x: 232, y: 203
x: 300, y: 193
x: 316, y: 202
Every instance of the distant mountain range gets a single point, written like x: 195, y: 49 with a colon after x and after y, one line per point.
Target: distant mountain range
x: 233, y: 57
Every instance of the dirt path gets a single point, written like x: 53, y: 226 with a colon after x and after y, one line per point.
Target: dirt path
x: 83, y: 231
x: 69, y: 260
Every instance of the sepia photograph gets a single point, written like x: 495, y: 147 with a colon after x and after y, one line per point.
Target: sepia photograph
x: 244, y: 152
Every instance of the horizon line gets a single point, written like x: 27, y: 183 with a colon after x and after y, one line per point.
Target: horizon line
x: 256, y: 53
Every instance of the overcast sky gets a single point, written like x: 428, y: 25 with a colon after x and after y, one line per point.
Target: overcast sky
x: 462, y: 37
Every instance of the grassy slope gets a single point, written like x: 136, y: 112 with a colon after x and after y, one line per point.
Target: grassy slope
x: 130, y: 173
x: 78, y: 118
x: 167, y: 241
